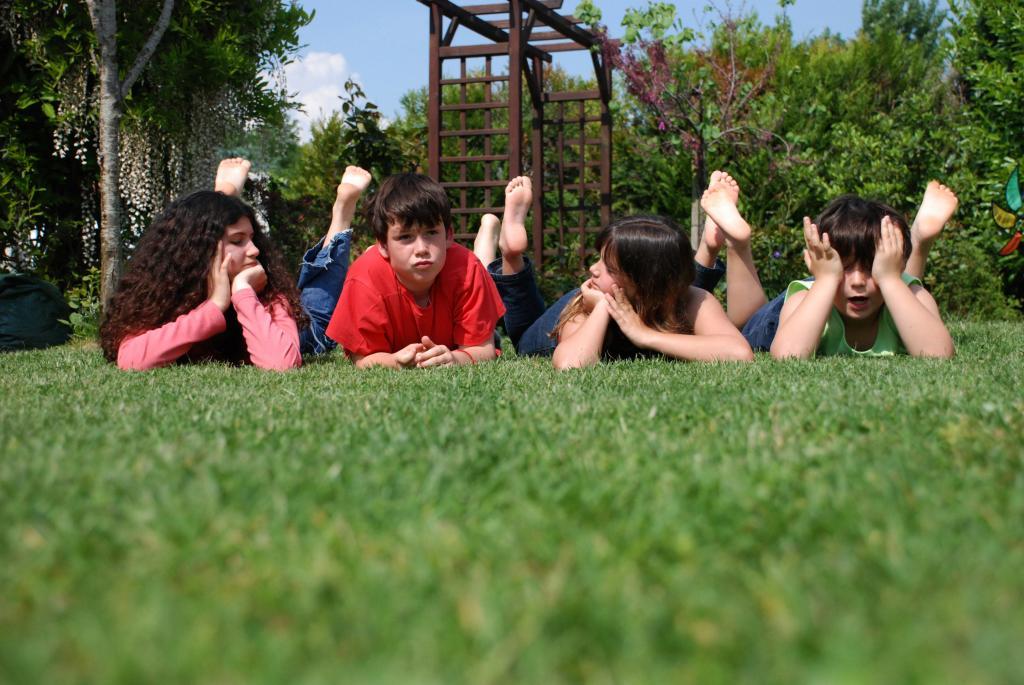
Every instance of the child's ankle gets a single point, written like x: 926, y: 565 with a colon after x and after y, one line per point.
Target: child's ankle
x: 228, y: 188
x: 705, y: 256
x: 512, y: 263
x: 348, y: 195
x: 737, y: 244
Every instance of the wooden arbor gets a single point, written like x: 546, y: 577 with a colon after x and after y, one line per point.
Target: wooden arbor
x: 475, y: 119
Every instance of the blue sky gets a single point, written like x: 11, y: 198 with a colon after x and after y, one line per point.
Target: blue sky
x: 383, y: 43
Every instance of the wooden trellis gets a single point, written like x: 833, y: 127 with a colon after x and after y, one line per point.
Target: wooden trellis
x: 476, y: 139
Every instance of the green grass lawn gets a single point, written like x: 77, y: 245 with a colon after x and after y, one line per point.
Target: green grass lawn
x: 832, y: 521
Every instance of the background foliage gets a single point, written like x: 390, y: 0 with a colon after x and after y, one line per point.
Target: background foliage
x: 215, y: 71
x: 919, y: 93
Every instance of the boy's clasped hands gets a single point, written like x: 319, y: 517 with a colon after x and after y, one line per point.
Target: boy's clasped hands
x: 426, y: 354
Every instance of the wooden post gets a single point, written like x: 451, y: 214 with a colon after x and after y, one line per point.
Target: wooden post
x: 434, y: 97
x: 537, y: 165
x: 515, y: 89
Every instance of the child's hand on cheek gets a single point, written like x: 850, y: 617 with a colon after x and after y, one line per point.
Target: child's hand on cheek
x: 626, y: 317
x: 218, y: 285
x: 821, y: 259
x: 254, y: 277
x: 888, y: 262
x: 591, y: 295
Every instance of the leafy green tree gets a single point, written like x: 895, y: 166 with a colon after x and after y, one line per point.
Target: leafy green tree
x: 355, y: 135
x: 878, y: 115
x: 986, y: 56
x: 113, y: 91
x: 206, y: 79
x: 272, y: 147
x: 919, y: 21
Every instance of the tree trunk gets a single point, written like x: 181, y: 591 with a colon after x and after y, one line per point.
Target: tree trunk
x: 104, y: 20
x: 103, y: 14
x: 700, y: 182
x: 110, y: 185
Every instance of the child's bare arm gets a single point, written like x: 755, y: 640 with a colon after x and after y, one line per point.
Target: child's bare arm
x: 805, y: 314
x: 802, y: 321
x: 917, y: 319
x: 475, y: 353
x: 433, y: 354
x: 402, y: 359
x: 914, y: 310
x: 714, y: 337
x: 581, y: 340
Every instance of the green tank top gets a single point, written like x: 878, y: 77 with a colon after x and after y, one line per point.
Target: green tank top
x: 833, y: 338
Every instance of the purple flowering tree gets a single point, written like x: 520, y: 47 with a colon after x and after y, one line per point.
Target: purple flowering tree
x: 704, y: 93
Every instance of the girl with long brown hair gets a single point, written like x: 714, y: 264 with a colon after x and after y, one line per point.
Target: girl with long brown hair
x: 639, y: 300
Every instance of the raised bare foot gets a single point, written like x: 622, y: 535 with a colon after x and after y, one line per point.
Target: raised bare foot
x: 720, y: 178
x: 719, y: 201
x: 485, y: 244
x: 712, y: 238
x: 937, y: 207
x: 518, y: 197
x: 231, y: 176
x: 353, y: 182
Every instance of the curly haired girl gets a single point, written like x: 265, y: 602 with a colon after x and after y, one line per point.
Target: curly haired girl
x: 205, y: 283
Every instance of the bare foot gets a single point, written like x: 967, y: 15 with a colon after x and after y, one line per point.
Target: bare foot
x: 936, y: 209
x: 720, y: 178
x: 514, y: 240
x: 231, y: 176
x: 353, y: 182
x: 719, y: 201
x: 485, y: 244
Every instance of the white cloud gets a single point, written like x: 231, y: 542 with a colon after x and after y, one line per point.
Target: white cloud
x: 318, y: 80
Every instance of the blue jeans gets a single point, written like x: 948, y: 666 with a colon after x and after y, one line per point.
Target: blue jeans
x: 760, y: 329
x: 529, y: 324
x: 321, y: 278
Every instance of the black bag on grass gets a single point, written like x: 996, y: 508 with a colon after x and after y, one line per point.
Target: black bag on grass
x: 30, y: 313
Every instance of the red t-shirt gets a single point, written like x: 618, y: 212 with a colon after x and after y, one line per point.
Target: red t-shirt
x: 376, y: 313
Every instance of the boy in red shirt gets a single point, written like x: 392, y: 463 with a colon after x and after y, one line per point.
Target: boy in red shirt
x: 416, y: 299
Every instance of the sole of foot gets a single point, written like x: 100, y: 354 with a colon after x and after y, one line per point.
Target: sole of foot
x: 232, y: 173
x: 353, y: 182
x: 937, y: 207
x: 719, y: 201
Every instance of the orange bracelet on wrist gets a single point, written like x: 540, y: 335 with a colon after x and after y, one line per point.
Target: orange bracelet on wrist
x: 471, y: 359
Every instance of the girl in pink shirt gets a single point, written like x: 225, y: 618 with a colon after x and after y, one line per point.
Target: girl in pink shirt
x: 204, y: 283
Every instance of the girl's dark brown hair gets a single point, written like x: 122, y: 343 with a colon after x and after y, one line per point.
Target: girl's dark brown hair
x: 166, y: 276
x: 656, y: 260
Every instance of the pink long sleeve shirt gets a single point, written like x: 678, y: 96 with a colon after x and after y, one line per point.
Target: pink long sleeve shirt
x: 271, y: 336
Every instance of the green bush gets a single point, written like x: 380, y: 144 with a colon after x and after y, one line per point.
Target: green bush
x: 84, y: 300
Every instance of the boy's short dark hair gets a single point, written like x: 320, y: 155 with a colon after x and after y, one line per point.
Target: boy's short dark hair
x: 408, y: 199
x: 853, y: 224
